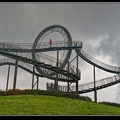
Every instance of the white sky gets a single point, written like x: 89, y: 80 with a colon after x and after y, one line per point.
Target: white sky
x: 97, y: 25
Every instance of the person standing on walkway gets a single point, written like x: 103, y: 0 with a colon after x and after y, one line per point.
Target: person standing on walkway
x: 50, y: 42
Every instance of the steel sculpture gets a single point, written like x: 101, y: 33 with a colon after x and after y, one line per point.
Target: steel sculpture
x: 32, y: 58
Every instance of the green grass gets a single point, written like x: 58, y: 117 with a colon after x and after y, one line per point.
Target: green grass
x: 52, y: 105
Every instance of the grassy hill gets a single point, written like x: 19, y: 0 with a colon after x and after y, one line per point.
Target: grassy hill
x: 52, y: 105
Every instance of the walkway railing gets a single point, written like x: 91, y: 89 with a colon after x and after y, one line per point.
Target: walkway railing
x: 27, y: 47
x: 97, y: 63
x: 72, y: 70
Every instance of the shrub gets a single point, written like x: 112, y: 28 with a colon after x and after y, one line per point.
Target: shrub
x: 2, y: 93
x: 14, y: 92
x: 110, y: 103
x: 86, y: 98
x: 44, y: 92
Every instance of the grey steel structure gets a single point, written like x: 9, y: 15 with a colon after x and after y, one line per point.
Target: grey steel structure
x: 31, y: 57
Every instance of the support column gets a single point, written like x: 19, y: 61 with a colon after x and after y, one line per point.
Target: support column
x: 56, y: 81
x: 37, y: 81
x: 76, y: 87
x: 68, y: 78
x: 77, y: 74
x: 95, y: 91
x: 15, y: 75
x: 77, y: 64
x: 68, y: 86
x: 8, y: 78
x: 33, y: 77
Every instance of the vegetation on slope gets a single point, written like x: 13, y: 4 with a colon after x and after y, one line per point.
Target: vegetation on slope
x: 52, y: 105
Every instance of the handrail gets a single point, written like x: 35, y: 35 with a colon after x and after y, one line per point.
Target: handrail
x: 97, y: 63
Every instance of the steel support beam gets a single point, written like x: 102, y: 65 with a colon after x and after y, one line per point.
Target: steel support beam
x: 77, y: 74
x: 33, y: 77
x: 68, y: 78
x: 76, y: 87
x: 77, y: 65
x: 56, y: 81
x: 95, y: 91
x: 37, y: 82
x: 15, y: 75
x: 8, y: 78
x: 68, y: 86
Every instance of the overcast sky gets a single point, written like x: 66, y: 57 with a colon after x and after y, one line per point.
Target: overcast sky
x: 97, y: 25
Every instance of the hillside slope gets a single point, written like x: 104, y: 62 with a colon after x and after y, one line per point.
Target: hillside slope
x: 52, y: 105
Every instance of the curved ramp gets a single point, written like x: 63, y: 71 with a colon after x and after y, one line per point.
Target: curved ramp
x: 97, y: 63
x: 89, y: 87
x: 28, y: 67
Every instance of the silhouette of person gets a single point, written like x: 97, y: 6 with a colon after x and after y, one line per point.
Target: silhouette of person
x: 50, y: 42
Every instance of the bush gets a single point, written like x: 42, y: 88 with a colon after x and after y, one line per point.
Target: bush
x: 110, y: 103
x: 44, y: 92
x: 2, y: 93
x: 86, y: 98
x: 14, y: 92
